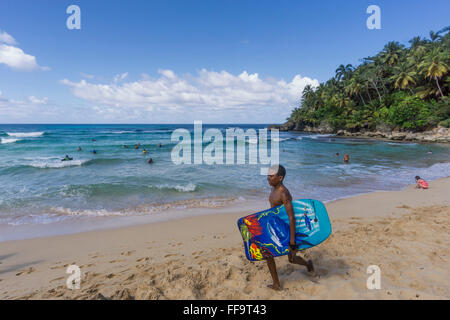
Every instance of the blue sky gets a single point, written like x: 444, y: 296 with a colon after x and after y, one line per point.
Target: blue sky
x: 180, y: 61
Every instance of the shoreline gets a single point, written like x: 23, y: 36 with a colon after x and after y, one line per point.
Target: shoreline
x: 108, y: 222
x: 436, y: 135
x: 201, y: 257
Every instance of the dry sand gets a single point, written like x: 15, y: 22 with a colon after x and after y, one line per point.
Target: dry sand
x: 406, y: 233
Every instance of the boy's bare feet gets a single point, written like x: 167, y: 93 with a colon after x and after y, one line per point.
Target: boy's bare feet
x: 310, y: 266
x: 274, y: 287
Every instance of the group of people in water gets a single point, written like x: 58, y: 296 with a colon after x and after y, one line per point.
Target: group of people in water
x: 346, y: 157
x: 136, y: 146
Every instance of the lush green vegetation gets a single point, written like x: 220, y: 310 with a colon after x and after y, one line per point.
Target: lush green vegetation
x: 400, y: 87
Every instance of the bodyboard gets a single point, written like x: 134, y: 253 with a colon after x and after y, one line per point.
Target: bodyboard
x: 267, y: 233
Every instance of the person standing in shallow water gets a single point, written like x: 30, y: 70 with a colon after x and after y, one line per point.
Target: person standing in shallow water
x: 280, y: 195
x: 346, y: 158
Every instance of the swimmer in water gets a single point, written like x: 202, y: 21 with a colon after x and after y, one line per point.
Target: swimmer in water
x: 66, y: 158
x: 144, y: 151
x: 79, y: 148
x: 150, y: 160
x: 346, y: 158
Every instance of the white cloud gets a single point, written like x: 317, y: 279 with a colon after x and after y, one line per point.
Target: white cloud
x: 35, y: 100
x: 7, y: 38
x: 87, y: 76
x: 120, y: 77
x: 14, y: 57
x: 208, y: 90
x: 21, y: 109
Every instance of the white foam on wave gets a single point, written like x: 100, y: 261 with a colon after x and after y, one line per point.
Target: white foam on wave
x: 317, y: 136
x: 25, y: 134
x: 279, y: 139
x: 402, y: 143
x: 6, y: 140
x: 188, y: 188
x: 60, y: 211
x: 57, y: 163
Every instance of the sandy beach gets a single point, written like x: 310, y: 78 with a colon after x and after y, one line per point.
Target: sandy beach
x: 406, y: 233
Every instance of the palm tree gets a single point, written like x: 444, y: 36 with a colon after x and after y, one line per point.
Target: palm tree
x: 434, y: 66
x: 340, y: 100
x: 342, y: 72
x: 356, y: 86
x: 416, y: 42
x: 403, y: 76
x: 308, y: 91
x: 371, y: 77
x: 391, y: 53
x: 434, y: 35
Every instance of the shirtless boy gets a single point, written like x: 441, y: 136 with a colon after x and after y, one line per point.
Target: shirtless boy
x: 280, y: 195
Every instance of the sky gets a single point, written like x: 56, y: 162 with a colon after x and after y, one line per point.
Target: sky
x: 177, y: 61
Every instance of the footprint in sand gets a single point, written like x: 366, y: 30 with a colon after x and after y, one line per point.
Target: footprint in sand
x: 27, y: 271
x: 57, y: 279
x: 143, y: 259
x: 114, y: 261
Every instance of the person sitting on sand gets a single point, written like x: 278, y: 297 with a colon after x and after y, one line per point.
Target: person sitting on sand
x: 421, y: 184
x: 278, y: 196
x: 346, y: 158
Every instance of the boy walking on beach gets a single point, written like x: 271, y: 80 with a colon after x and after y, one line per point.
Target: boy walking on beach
x: 281, y: 195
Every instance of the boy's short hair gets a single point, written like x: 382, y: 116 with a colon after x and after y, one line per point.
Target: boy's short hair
x: 277, y: 169
x: 417, y: 177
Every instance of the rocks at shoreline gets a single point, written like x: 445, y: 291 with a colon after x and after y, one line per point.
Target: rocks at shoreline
x: 438, y: 135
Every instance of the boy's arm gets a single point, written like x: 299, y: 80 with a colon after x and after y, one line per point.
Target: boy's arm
x: 287, y: 201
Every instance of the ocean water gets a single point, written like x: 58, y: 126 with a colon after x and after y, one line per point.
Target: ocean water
x: 38, y: 188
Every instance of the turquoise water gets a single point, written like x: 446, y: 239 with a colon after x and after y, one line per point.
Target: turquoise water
x: 38, y: 188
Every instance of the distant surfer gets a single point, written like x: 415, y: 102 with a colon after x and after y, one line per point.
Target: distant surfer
x: 337, y: 154
x: 150, y: 161
x: 160, y: 145
x: 94, y: 151
x: 125, y: 146
x: 346, y: 158
x: 420, y: 183
x: 144, y: 151
x: 66, y: 158
x: 79, y: 148
x: 278, y: 196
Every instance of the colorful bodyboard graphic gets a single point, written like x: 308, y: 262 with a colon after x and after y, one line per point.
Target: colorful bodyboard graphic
x: 267, y: 233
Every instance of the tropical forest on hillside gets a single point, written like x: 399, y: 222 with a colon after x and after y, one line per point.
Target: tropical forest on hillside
x: 400, y: 88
